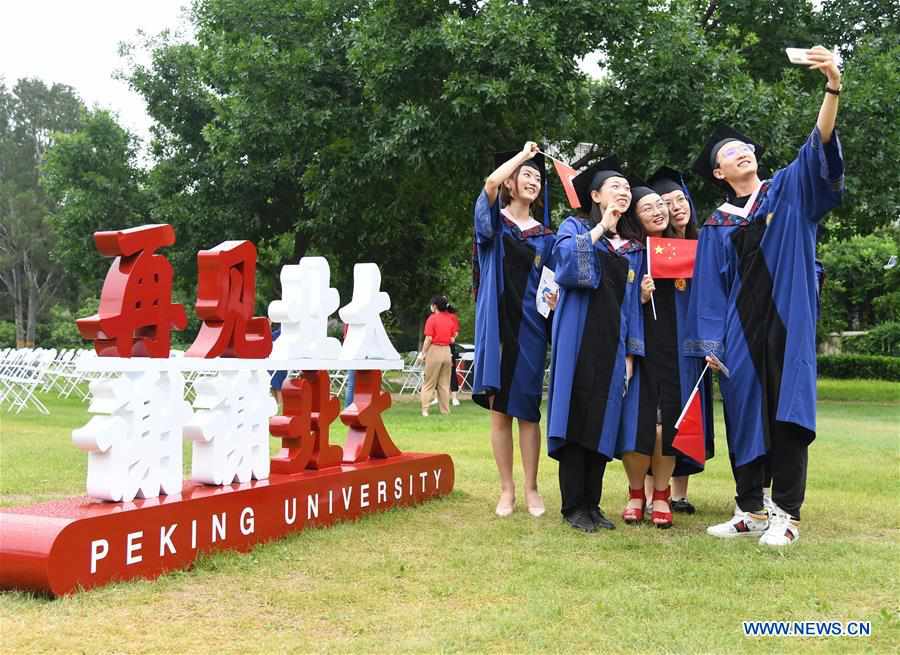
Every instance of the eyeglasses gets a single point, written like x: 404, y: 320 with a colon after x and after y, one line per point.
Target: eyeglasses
x: 646, y: 208
x: 737, y: 149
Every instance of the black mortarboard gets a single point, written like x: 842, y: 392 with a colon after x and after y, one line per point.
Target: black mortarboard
x: 706, y: 162
x: 537, y: 162
x: 593, y: 177
x: 666, y: 180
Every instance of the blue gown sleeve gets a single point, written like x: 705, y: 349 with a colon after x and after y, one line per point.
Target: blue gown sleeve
x: 487, y: 218
x: 816, y: 176
x: 634, y: 316
x: 705, y: 333
x: 576, y: 264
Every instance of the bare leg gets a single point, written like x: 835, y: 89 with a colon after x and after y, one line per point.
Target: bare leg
x: 530, y: 445
x: 501, y: 442
x: 680, y: 487
x: 663, y: 465
x: 636, y: 465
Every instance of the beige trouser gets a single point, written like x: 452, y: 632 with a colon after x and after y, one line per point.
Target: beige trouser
x: 437, y: 374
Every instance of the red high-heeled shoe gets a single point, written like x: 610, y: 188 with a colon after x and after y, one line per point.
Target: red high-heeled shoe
x: 633, y: 515
x: 662, y: 520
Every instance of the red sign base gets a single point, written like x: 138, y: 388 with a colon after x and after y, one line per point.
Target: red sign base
x: 80, y: 543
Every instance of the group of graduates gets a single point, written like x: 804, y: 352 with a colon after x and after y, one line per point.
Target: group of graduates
x: 627, y: 350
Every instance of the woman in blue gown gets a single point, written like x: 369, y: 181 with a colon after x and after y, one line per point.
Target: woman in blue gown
x: 597, y: 330
x: 511, y: 249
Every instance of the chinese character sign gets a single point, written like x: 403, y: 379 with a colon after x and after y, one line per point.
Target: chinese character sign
x: 136, y: 314
x: 226, y: 297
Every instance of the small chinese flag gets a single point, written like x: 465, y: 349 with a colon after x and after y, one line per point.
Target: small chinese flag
x: 689, y: 436
x: 671, y: 258
x: 566, y: 173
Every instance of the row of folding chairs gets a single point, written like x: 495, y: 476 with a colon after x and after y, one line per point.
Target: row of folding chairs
x: 23, y: 371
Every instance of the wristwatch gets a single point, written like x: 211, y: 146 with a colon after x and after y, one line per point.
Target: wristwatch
x: 834, y: 92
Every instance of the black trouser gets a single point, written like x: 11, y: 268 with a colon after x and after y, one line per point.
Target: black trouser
x: 580, y: 478
x: 784, y: 466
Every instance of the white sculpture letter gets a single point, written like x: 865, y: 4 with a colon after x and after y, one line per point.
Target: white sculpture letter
x: 230, y: 429
x: 366, y: 337
x: 307, y: 302
x: 134, y: 440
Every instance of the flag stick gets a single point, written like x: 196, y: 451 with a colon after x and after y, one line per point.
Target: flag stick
x: 691, y: 396
x: 652, y: 302
x: 554, y: 158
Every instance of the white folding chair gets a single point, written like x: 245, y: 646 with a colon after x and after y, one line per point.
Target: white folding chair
x: 27, y: 379
x: 413, y: 374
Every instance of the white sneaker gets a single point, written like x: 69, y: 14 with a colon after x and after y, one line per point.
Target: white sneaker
x: 434, y: 402
x: 455, y: 402
x: 783, y: 530
x: 742, y: 524
x: 768, y: 503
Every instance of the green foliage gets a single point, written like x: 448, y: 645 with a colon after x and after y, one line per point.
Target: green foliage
x: 60, y: 331
x: 363, y: 131
x: 855, y: 279
x: 883, y: 339
x: 867, y: 367
x: 32, y: 116
x: 7, y: 334
x: 93, y: 178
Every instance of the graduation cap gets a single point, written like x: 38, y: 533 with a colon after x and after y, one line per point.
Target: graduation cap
x: 666, y: 180
x: 539, y: 163
x: 706, y: 162
x: 593, y: 177
x: 639, y: 189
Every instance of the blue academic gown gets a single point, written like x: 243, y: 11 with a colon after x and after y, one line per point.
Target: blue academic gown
x: 596, y: 323
x: 754, y: 299
x: 672, y: 376
x: 510, y: 335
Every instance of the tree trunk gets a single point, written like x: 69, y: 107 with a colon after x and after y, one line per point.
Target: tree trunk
x: 12, y: 280
x: 31, y: 325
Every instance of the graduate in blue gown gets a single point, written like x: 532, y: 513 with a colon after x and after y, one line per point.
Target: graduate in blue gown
x: 653, y: 402
x: 670, y: 185
x: 753, y: 311
x: 597, y: 331
x: 511, y: 249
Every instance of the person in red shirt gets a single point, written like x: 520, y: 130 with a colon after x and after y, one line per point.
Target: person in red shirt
x: 441, y: 329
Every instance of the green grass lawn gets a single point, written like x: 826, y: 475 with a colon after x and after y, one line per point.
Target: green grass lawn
x: 450, y: 576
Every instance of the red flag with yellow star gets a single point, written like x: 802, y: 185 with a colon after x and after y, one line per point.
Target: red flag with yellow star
x: 671, y: 258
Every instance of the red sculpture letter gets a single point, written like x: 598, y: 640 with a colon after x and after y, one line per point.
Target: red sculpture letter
x: 309, y: 410
x: 368, y: 437
x: 226, y: 298
x: 136, y: 315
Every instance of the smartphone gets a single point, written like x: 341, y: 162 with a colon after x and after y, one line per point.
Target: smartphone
x: 797, y: 56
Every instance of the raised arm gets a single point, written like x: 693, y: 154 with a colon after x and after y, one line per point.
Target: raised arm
x: 823, y: 60
x: 506, y: 169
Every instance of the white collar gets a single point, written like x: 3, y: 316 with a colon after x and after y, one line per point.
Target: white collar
x: 744, y: 211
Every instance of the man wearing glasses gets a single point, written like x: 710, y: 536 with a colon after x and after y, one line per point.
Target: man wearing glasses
x: 752, y: 313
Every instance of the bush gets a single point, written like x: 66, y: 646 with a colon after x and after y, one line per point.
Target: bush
x: 881, y: 340
x: 873, y: 367
x: 7, y: 334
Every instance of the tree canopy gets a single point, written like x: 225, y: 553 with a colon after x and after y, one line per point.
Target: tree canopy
x: 362, y: 131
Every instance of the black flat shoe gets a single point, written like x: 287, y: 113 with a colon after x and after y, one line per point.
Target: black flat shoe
x: 600, y: 520
x: 581, y: 520
x: 682, y: 506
